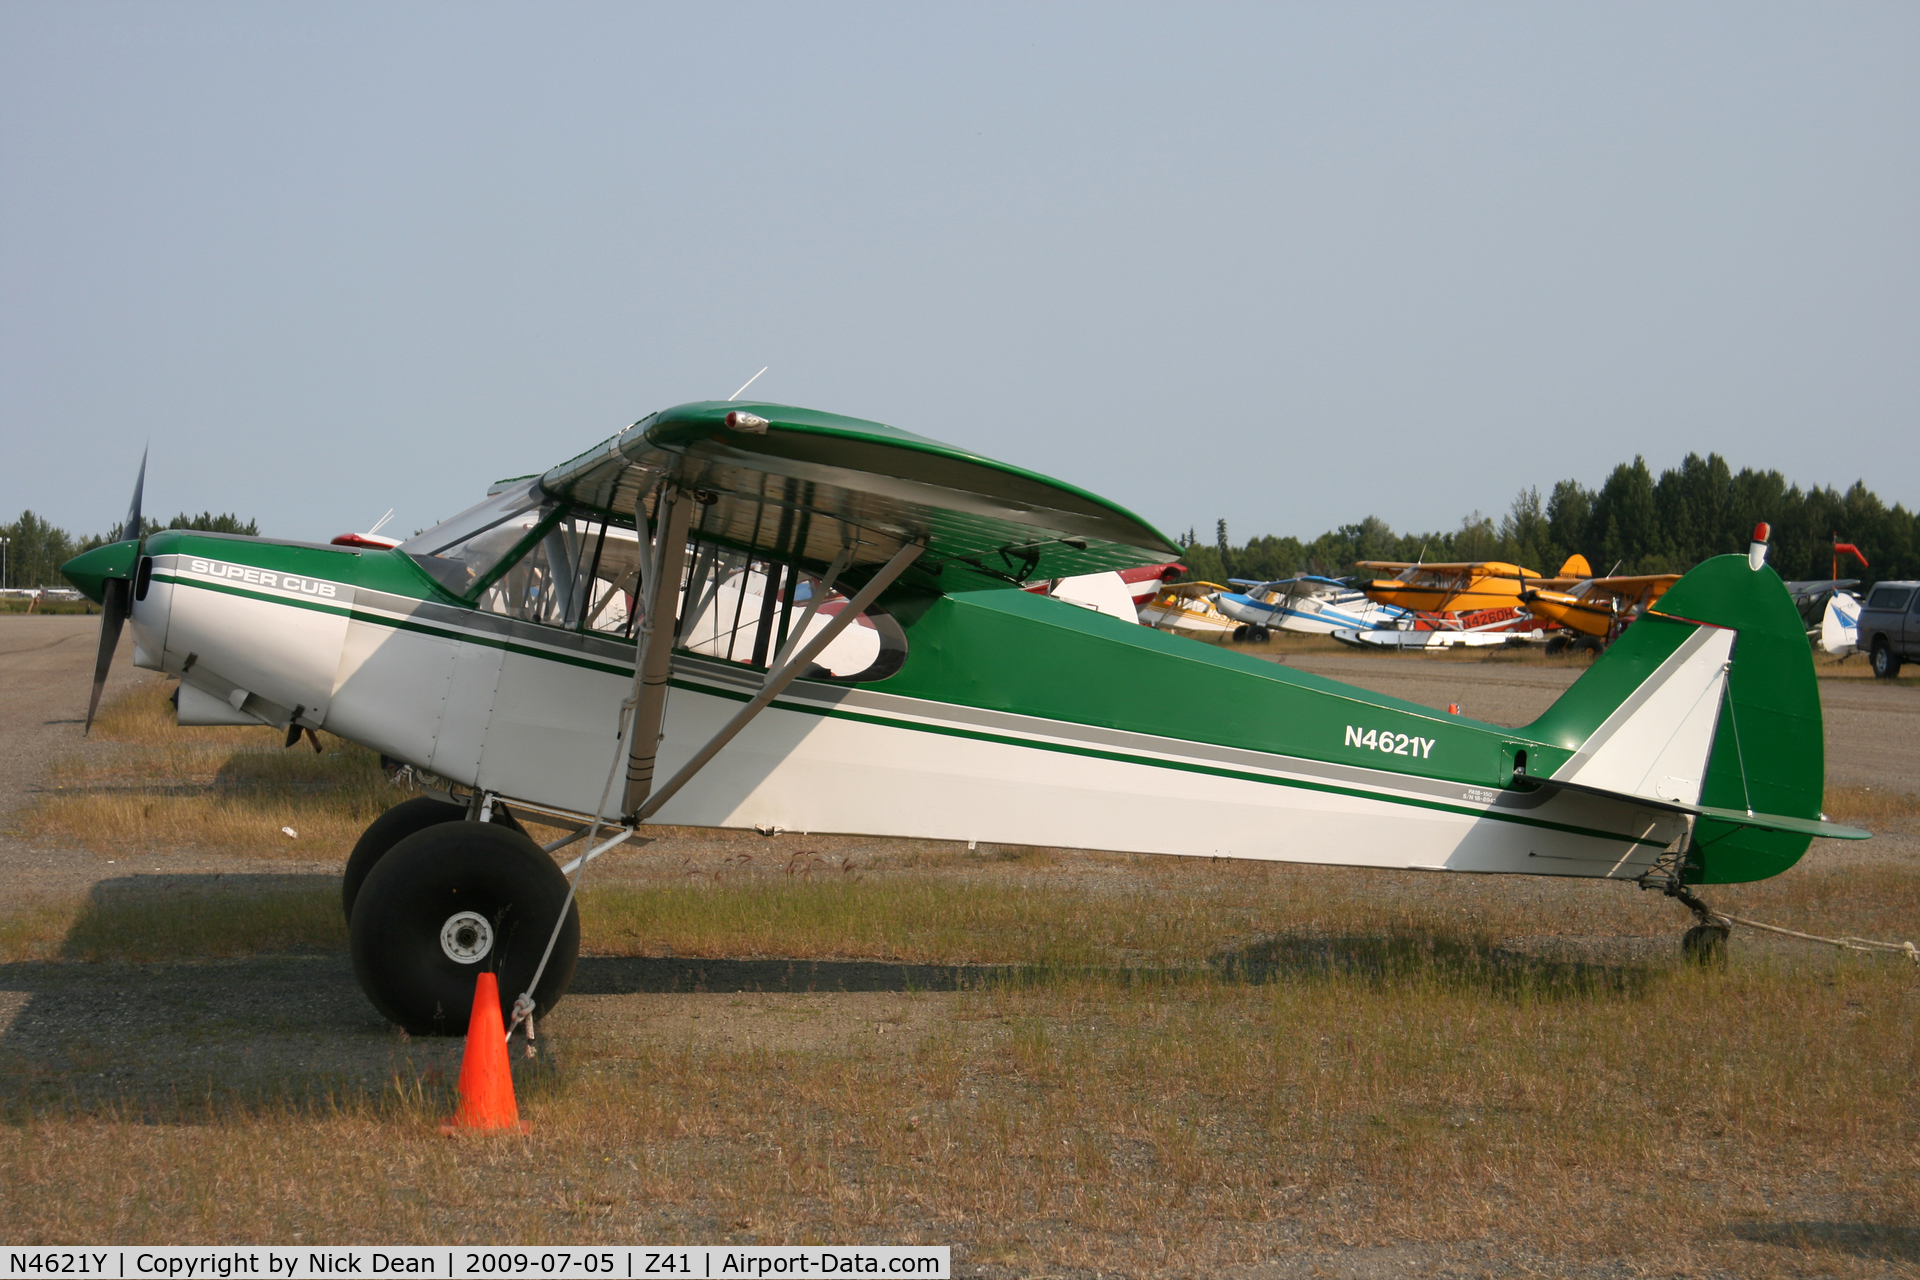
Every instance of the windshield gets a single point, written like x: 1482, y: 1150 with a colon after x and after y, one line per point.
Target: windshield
x: 461, y: 551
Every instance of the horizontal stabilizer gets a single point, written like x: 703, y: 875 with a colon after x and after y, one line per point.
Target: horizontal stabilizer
x: 1732, y: 817
x: 1780, y: 822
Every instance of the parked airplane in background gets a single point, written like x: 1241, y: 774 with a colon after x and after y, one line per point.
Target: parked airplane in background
x: 649, y: 632
x: 1188, y: 607
x: 1596, y: 610
x: 1830, y: 611
x: 1304, y: 603
x: 1465, y: 586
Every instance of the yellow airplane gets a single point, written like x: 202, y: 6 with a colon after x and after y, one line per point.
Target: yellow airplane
x: 1464, y: 587
x: 1601, y: 606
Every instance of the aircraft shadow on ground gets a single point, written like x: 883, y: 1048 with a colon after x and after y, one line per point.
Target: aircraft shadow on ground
x: 136, y: 1015
x: 1870, y: 1241
x: 1404, y: 956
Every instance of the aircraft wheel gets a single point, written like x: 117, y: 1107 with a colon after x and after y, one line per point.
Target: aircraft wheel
x: 447, y: 902
x: 387, y: 830
x: 1589, y: 646
x: 1240, y: 634
x: 1556, y: 644
x: 395, y: 825
x: 1885, y: 665
x: 1260, y: 634
x: 1705, y: 944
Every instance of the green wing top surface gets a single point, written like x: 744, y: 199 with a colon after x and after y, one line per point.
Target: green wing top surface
x: 812, y: 483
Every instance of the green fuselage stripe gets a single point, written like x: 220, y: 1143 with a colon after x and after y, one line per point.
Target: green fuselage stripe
x: 400, y: 624
x: 1187, y: 766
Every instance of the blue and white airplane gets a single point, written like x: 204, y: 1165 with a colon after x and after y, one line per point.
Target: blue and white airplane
x: 1307, y: 603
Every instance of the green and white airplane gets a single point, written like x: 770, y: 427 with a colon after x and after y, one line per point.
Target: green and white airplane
x: 752, y: 615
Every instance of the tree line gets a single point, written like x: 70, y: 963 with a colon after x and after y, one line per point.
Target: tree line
x: 36, y: 549
x: 1633, y: 523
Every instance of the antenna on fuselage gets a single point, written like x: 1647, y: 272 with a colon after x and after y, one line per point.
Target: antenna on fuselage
x: 749, y: 382
x: 382, y: 520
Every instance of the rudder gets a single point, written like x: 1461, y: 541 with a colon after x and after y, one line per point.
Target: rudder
x: 1708, y: 700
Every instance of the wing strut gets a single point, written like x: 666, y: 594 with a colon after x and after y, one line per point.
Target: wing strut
x: 674, y: 512
x: 775, y: 685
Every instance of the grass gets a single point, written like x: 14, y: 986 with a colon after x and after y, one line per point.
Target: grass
x: 1191, y: 1064
x: 1090, y: 1125
x: 227, y: 791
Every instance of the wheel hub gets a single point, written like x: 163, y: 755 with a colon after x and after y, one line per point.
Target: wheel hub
x: 466, y: 937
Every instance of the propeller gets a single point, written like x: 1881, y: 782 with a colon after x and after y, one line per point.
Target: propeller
x: 116, y: 596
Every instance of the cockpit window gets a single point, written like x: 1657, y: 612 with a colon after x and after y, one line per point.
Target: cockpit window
x: 580, y: 574
x: 745, y: 610
x: 461, y: 552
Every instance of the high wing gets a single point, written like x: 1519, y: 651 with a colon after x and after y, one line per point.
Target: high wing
x: 1463, y: 569
x: 802, y: 486
x: 1629, y: 589
x: 1459, y: 569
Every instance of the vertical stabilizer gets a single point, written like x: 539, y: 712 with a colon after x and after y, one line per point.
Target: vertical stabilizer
x: 1708, y: 700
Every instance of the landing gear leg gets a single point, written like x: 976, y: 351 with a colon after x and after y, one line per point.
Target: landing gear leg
x: 1705, y: 943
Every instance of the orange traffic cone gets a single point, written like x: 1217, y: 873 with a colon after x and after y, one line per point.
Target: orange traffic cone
x: 486, y: 1082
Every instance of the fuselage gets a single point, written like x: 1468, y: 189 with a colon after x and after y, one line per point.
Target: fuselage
x: 1013, y: 718
x: 1316, y: 613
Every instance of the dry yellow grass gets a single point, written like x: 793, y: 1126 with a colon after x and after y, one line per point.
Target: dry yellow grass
x: 1755, y: 1122
x: 227, y: 791
x: 1876, y: 807
x: 1194, y: 1064
x: 170, y: 921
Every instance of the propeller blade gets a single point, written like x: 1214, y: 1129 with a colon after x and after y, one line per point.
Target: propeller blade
x: 131, y: 529
x: 113, y: 615
x: 116, y: 597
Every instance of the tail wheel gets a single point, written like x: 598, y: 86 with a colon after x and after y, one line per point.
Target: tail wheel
x: 1885, y: 665
x: 1705, y: 944
x: 450, y: 901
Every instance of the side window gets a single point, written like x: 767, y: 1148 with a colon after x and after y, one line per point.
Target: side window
x: 1888, y: 598
x: 539, y: 586
x: 609, y: 580
x: 744, y: 610
x: 581, y: 574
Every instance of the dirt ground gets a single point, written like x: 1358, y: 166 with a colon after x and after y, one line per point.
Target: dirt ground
x: 86, y: 1032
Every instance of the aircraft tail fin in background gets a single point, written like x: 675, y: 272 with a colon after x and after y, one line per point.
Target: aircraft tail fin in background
x: 1707, y: 704
x: 1575, y: 567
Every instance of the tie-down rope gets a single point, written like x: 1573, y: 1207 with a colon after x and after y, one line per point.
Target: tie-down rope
x: 1907, y: 949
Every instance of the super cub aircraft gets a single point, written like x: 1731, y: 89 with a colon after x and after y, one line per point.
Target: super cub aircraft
x: 751, y: 615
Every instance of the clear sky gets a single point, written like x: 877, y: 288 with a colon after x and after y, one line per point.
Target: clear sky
x: 1286, y: 264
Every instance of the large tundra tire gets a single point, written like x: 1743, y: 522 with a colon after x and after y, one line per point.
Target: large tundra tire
x: 445, y: 904
x: 395, y: 825
x: 386, y: 831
